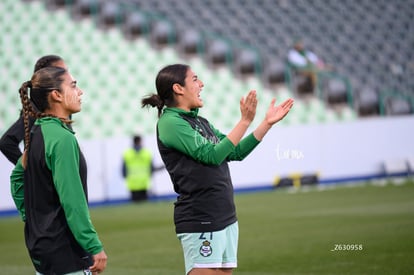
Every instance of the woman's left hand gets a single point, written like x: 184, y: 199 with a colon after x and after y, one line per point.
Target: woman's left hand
x: 277, y: 113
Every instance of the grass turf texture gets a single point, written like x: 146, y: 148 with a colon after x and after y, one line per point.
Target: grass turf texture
x: 281, y: 232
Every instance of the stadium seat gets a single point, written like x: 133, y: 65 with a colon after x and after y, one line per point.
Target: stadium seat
x: 218, y: 52
x: 57, y: 4
x: 246, y: 62
x: 190, y: 42
x: 136, y: 24
x: 85, y: 8
x: 301, y: 84
x: 274, y: 72
x: 397, y: 106
x: 162, y: 33
x: 110, y: 14
x: 335, y: 91
x: 366, y: 101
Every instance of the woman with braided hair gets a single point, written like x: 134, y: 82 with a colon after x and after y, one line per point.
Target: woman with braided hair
x: 196, y: 155
x: 9, y: 142
x: 49, y: 184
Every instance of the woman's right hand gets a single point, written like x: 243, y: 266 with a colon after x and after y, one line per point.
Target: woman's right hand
x: 248, y: 111
x: 99, y: 262
x: 248, y: 106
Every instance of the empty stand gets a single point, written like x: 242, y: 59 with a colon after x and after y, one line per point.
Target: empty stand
x: 369, y: 44
x: 360, y: 39
x: 114, y: 73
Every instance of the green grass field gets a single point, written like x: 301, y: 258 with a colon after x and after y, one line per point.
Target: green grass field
x: 281, y: 232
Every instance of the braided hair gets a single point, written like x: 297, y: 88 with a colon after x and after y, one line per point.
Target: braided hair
x: 166, y: 78
x: 42, y: 83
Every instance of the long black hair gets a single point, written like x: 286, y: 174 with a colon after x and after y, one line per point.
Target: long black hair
x: 41, y: 84
x: 166, y: 78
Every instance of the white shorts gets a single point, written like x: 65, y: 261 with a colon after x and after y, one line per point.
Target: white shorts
x: 210, y: 249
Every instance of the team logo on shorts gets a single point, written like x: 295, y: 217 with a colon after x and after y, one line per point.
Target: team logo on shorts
x: 205, y: 249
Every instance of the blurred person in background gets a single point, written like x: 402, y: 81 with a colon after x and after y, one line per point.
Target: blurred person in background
x: 306, y: 63
x: 49, y: 181
x: 137, y: 170
x: 9, y: 142
x: 196, y: 156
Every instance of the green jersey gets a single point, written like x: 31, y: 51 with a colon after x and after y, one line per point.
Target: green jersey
x: 196, y: 155
x: 51, y: 196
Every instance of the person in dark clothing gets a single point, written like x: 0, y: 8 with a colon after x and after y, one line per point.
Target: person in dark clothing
x: 195, y: 154
x: 9, y: 142
x: 48, y: 183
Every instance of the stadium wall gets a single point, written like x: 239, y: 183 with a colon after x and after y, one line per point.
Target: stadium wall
x: 337, y: 152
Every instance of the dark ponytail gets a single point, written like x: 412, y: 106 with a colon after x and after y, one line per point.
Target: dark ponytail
x: 166, y: 78
x: 42, y: 83
x: 153, y: 100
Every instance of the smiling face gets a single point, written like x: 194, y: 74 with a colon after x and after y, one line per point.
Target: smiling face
x: 189, y: 95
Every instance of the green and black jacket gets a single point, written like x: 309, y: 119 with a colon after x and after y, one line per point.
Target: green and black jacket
x: 196, y: 155
x: 51, y: 196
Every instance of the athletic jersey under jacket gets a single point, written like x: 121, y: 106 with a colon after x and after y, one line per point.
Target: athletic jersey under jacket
x: 51, y: 196
x: 196, y: 155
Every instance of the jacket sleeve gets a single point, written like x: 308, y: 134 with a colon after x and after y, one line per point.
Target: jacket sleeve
x: 243, y: 149
x: 9, y: 142
x: 63, y: 161
x: 17, y: 188
x: 178, y: 134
